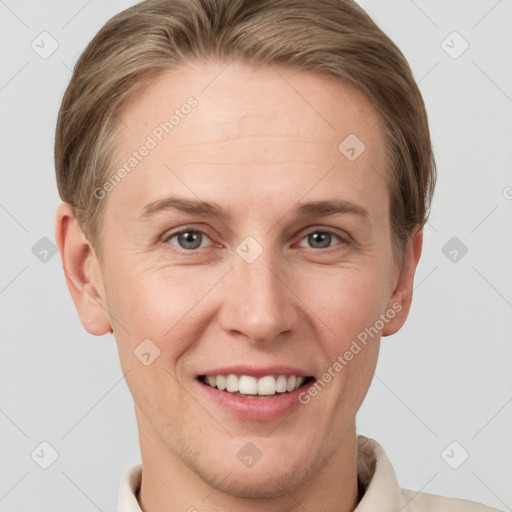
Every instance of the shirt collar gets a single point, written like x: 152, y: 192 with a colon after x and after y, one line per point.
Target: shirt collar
x: 375, y: 475
x: 378, y: 479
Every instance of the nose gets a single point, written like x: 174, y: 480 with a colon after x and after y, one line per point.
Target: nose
x: 259, y: 303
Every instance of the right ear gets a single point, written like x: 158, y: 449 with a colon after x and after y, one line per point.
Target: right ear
x: 82, y: 271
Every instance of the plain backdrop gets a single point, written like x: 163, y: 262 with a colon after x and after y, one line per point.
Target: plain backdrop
x: 442, y: 390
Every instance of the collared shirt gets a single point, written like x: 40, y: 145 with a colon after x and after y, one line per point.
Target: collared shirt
x: 376, y: 478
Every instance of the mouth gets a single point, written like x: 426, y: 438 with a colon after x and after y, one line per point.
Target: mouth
x: 248, y: 386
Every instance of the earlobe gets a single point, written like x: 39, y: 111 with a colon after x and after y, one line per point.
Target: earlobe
x: 400, y: 300
x: 81, y: 269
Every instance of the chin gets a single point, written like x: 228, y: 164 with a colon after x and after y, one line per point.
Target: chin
x: 275, y: 474
x: 258, y: 484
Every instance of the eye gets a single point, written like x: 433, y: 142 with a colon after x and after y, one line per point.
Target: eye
x: 188, y: 239
x: 321, y: 239
x: 193, y: 239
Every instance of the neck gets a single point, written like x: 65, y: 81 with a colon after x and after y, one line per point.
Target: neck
x: 168, y: 484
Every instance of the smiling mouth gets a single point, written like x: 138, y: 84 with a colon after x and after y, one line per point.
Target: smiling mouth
x: 252, y: 387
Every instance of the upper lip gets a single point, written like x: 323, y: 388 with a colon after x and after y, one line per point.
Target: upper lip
x: 257, y: 371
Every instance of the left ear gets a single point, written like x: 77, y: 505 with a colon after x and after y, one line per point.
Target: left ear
x: 400, y: 299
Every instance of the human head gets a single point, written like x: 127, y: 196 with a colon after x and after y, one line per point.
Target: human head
x: 332, y: 37
x: 288, y: 306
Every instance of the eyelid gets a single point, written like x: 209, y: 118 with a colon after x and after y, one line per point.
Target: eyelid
x: 340, y: 233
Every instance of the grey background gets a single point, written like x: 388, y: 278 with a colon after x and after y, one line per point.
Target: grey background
x: 445, y: 377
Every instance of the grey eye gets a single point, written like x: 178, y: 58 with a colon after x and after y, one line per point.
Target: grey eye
x: 320, y: 239
x: 189, y: 239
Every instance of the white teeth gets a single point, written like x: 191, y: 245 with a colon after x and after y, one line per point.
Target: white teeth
x: 232, y: 383
x: 290, y: 385
x: 221, y: 382
x: 281, y: 384
x: 249, y: 385
x: 266, y: 385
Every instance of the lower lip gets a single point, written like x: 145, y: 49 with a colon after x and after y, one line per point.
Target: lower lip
x: 270, y: 407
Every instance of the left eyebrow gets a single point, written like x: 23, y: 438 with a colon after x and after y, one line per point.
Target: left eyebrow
x: 329, y: 207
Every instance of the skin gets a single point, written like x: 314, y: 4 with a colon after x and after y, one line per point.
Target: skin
x: 257, y: 148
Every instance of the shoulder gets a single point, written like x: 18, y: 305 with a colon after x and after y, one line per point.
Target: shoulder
x: 381, y: 490
x: 426, y: 502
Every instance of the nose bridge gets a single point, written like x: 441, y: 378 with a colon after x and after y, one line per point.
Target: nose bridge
x: 259, y: 305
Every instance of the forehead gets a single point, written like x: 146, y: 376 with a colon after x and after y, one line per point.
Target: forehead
x: 273, y: 131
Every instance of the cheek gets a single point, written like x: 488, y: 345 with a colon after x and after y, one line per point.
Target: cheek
x: 347, y: 302
x: 168, y: 306
x: 153, y: 310
x: 350, y: 309
x: 349, y: 305
x: 152, y: 300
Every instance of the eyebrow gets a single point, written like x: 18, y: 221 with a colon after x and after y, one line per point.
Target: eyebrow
x: 212, y: 209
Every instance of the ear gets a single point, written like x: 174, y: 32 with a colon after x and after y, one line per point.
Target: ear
x: 82, y: 272
x: 400, y: 300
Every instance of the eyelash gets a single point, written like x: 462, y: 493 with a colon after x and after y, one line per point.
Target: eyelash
x: 326, y: 250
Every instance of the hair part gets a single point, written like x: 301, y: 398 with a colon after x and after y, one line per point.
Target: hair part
x: 334, y: 38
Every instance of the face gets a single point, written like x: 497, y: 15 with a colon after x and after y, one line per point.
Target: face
x: 245, y: 243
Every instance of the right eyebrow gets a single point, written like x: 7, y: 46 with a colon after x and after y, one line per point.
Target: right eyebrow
x: 192, y: 207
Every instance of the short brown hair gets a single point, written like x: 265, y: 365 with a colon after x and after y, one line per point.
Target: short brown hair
x: 331, y: 37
